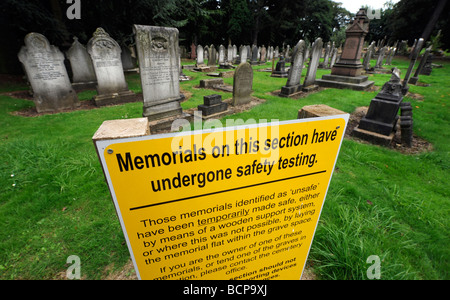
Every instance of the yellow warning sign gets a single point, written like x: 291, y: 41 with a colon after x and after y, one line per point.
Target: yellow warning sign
x: 231, y: 203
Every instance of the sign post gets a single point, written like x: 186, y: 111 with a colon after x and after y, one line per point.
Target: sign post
x: 230, y: 203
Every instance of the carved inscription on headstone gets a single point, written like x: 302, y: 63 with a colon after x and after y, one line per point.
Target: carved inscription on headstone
x: 159, y: 68
x: 44, y: 66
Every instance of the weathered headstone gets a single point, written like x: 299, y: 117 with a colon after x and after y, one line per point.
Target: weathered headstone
x: 254, y: 59
x: 379, y: 123
x: 242, y: 84
x: 212, y: 104
x: 293, y: 85
x: 47, y: 74
x: 234, y: 57
x: 243, y: 52
x: 381, y: 54
x: 280, y: 69
x: 414, y: 54
x: 346, y: 73
x: 159, y: 68
x: 106, y: 58
x: 193, y: 51
x: 200, y: 61
x: 368, y: 56
x: 428, y: 67
x: 128, y: 61
x: 326, y: 57
x: 415, y: 78
x: 389, y: 56
x: 83, y: 74
x: 212, y: 53
x: 221, y: 55
x: 333, y: 57
x: 350, y: 61
x: 313, y: 63
x: 263, y: 57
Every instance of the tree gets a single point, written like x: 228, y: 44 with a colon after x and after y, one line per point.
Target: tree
x: 239, y: 22
x: 410, y: 18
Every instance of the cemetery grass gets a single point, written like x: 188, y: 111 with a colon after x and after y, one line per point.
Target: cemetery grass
x: 54, y: 201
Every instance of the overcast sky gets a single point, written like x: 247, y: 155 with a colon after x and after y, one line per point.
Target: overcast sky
x: 354, y: 5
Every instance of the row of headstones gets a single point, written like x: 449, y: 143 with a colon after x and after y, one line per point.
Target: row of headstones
x: 299, y: 57
x: 230, y: 55
x: 159, y: 62
x: 100, y: 64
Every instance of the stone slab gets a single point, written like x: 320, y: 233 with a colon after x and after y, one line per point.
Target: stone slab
x: 345, y: 85
x: 289, y: 91
x: 373, y: 137
x: 114, y: 98
x: 213, y: 109
x: 166, y: 124
x: 318, y: 110
x: 124, y: 128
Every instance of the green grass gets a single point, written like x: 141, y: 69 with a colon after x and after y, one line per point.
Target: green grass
x: 54, y: 201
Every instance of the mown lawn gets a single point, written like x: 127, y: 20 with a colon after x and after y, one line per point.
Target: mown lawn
x: 54, y: 201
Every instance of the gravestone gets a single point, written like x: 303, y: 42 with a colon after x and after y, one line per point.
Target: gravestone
x: 242, y: 84
x: 428, y: 67
x: 212, y: 53
x: 378, y: 125
x: 326, y: 56
x: 346, y: 73
x: 243, y: 52
x: 193, y: 51
x: 106, y: 58
x: 280, y: 69
x: 293, y: 85
x: 221, y: 55
x: 263, y: 57
x: 390, y: 55
x: 414, y: 54
x: 254, y: 59
x: 333, y: 57
x: 47, y: 74
x: 159, y: 68
x: 229, y: 58
x: 415, y: 78
x: 129, y: 63
x: 224, y: 63
x: 200, y: 61
x: 212, y: 105
x: 368, y: 56
x: 83, y: 74
x: 313, y: 63
x: 234, y: 57
x: 381, y: 54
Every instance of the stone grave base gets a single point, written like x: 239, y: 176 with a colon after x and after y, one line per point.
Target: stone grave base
x: 373, y: 137
x: 318, y: 110
x: 310, y: 88
x: 166, y: 123
x: 290, y: 91
x: 80, y: 86
x: 205, y: 69
x: 358, y: 83
x: 114, y: 98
